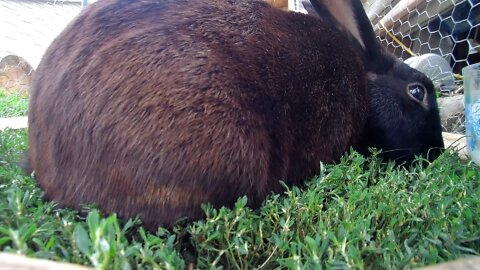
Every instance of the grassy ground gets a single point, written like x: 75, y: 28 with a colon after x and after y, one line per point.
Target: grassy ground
x: 358, y: 214
x: 12, y: 104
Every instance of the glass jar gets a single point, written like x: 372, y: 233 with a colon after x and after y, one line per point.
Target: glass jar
x: 471, y: 83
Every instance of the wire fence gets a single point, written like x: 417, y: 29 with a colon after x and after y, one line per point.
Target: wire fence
x: 438, y: 37
x: 27, y: 27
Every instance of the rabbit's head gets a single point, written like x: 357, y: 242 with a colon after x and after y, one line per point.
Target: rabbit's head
x: 403, y: 118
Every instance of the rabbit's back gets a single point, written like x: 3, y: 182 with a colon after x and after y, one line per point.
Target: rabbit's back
x: 151, y: 107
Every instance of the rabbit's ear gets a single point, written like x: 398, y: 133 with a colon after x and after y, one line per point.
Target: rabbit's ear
x: 351, y: 15
x: 375, y: 54
x: 343, y: 11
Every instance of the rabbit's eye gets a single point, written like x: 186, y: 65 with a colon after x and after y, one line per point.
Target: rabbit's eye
x: 417, y: 91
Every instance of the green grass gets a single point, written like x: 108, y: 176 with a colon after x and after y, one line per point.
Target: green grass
x: 359, y: 214
x: 13, y: 104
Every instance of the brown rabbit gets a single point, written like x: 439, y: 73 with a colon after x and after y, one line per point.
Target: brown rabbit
x: 153, y: 108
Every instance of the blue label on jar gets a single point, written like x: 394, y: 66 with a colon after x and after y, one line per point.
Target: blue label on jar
x: 472, y: 115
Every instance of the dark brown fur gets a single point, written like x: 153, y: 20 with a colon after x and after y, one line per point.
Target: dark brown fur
x: 152, y: 107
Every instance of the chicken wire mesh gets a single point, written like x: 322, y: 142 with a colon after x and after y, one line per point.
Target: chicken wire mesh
x: 438, y: 37
x: 27, y: 27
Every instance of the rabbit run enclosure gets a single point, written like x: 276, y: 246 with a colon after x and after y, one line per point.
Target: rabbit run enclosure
x: 360, y: 213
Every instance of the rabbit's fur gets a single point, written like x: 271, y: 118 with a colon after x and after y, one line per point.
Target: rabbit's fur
x: 154, y: 107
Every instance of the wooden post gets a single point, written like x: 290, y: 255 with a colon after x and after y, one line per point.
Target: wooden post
x: 456, y: 142
x: 10, y: 261
x: 469, y: 263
